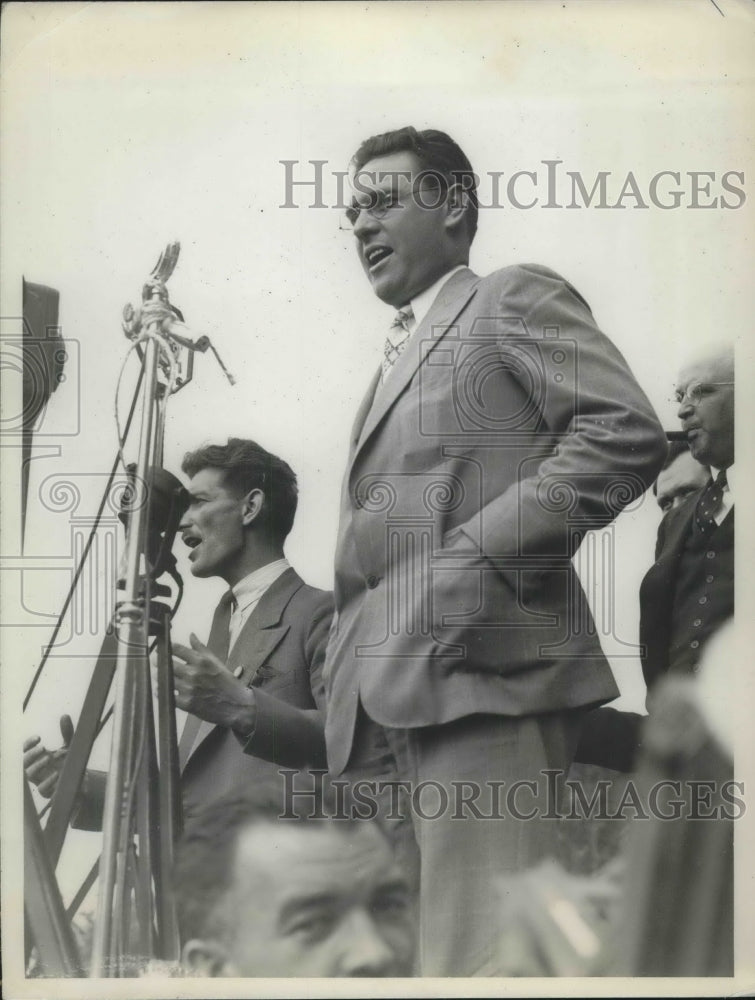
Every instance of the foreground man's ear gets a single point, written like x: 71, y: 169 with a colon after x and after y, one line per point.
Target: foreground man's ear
x: 253, y: 503
x: 205, y: 958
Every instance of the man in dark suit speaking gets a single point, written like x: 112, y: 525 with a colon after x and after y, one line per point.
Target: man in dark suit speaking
x: 501, y: 426
x: 254, y: 693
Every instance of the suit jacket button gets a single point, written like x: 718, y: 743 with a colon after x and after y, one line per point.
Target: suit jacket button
x: 710, y: 554
x: 373, y: 581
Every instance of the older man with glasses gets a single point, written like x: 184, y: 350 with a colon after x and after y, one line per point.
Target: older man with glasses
x: 689, y: 590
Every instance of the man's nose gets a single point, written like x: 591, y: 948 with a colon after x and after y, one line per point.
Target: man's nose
x: 365, y: 224
x: 685, y: 407
x: 364, y: 951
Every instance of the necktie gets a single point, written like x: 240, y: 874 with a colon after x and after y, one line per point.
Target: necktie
x: 218, y: 644
x: 709, y: 503
x: 396, y: 341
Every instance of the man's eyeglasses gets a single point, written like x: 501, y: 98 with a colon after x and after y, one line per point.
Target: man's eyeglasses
x: 379, y: 203
x: 696, y: 391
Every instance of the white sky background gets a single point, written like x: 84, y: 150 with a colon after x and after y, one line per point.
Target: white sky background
x: 125, y: 126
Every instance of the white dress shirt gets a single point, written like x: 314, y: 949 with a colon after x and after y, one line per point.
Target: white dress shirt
x: 727, y: 500
x: 421, y: 303
x: 247, y: 593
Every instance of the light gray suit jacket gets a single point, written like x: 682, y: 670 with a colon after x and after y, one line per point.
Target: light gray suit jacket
x: 508, y: 428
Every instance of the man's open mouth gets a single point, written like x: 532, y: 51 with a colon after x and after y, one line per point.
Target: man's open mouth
x: 376, y: 255
x: 192, y: 541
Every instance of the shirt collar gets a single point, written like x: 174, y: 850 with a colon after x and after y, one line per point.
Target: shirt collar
x: 251, y: 587
x: 421, y: 303
x: 730, y: 478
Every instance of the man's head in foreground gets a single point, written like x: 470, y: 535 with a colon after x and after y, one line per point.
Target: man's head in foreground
x: 414, y: 210
x: 680, y: 476
x: 242, y: 505
x: 705, y: 393
x: 258, y: 895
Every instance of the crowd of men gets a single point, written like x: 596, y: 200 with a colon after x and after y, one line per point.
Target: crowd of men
x: 499, y: 429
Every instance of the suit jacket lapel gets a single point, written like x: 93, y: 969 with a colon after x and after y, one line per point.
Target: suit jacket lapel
x: 451, y: 299
x: 258, y: 638
x: 363, y: 411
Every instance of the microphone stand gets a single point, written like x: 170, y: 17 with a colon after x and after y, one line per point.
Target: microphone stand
x: 142, y: 796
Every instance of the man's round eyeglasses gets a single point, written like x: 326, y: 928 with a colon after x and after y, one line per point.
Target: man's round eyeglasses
x: 696, y: 391
x: 379, y: 203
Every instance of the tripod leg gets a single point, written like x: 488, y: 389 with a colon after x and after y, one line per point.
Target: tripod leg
x: 146, y: 818
x: 74, y: 766
x: 46, y: 920
x: 169, y: 785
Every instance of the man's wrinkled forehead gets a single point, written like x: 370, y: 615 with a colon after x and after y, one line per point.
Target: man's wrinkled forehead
x: 208, y: 482
x: 298, y: 858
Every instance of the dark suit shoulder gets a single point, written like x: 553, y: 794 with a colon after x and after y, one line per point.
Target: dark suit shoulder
x: 309, y: 599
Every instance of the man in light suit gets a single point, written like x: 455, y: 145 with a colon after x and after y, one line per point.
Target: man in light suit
x: 254, y: 693
x: 501, y: 426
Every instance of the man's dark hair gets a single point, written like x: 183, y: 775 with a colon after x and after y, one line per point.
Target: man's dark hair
x: 205, y: 866
x: 247, y: 466
x: 676, y: 447
x: 437, y: 152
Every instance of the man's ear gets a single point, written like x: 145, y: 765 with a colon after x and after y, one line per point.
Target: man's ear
x: 205, y: 958
x: 253, y: 502
x: 456, y: 204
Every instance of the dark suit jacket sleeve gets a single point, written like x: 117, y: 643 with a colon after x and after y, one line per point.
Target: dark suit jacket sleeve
x: 610, y: 444
x: 610, y: 738
x: 284, y: 734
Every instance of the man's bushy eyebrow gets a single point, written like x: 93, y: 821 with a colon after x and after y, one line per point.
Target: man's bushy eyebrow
x: 306, y: 902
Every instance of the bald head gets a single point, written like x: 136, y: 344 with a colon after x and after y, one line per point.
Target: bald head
x: 705, y: 391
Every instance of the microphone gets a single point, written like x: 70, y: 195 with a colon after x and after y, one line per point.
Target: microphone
x: 167, y: 502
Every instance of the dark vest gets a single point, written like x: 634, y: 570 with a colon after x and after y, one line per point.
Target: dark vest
x: 704, y: 593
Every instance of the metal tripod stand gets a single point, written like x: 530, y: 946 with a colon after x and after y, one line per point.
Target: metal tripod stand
x: 141, y: 817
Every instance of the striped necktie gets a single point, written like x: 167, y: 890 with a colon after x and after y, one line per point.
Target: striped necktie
x: 709, y: 503
x: 397, y: 339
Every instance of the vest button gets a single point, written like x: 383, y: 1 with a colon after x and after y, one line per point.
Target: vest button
x: 694, y: 644
x: 373, y: 581
x: 709, y: 579
x: 697, y: 622
x: 710, y: 554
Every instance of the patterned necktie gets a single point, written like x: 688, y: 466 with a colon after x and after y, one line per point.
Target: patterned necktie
x: 217, y: 644
x: 709, y: 503
x: 397, y: 339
